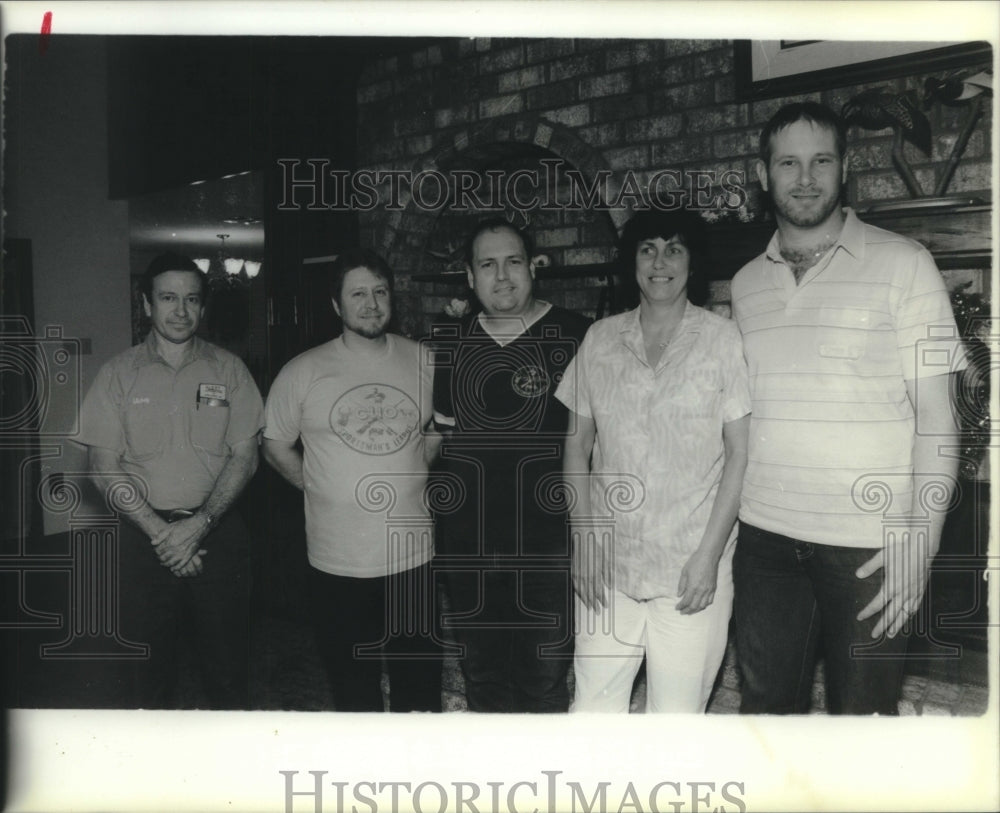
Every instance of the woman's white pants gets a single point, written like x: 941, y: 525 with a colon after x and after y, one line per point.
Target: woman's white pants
x: 683, y: 652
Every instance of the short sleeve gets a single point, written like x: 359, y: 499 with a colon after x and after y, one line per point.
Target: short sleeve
x: 246, y: 408
x: 573, y: 390
x: 100, y: 414
x: 444, y: 364
x: 926, y: 334
x: 283, y: 410
x: 736, y: 388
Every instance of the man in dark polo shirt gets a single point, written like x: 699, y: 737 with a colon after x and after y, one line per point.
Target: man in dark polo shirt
x: 179, y: 418
x: 505, y: 547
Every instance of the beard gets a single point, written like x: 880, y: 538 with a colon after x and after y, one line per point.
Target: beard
x: 807, y: 215
x: 370, y: 332
x: 369, y: 328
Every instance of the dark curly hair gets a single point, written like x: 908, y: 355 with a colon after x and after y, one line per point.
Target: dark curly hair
x: 687, y: 227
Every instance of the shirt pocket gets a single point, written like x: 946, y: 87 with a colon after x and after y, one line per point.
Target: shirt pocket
x: 208, y: 428
x: 842, y: 332
x: 145, y: 428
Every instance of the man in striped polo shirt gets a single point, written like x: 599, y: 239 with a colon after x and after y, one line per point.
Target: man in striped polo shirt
x: 849, y: 339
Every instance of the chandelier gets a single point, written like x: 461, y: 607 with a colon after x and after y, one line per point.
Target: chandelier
x: 227, y: 272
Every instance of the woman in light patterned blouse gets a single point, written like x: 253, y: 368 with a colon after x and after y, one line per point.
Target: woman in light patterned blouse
x: 655, y: 459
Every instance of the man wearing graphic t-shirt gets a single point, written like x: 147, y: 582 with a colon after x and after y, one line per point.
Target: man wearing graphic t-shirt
x: 360, y: 404
x: 505, y: 546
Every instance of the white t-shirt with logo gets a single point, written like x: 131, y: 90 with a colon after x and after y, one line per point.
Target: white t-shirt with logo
x: 360, y: 417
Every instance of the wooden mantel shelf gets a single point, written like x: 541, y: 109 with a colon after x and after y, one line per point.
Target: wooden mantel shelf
x: 957, y: 237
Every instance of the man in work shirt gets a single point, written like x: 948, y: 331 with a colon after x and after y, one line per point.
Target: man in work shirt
x: 179, y: 417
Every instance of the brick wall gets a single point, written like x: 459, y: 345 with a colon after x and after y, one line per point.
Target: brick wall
x: 613, y: 106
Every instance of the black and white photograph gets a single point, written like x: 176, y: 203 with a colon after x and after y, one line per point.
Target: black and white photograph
x: 404, y: 407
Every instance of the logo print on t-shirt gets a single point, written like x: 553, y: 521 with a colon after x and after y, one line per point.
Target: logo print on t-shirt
x: 375, y: 418
x: 530, y: 381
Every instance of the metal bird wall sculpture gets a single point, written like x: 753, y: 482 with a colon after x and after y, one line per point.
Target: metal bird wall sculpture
x: 877, y: 109
x: 956, y: 89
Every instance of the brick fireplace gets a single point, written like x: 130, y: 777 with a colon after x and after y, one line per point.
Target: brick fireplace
x: 617, y: 112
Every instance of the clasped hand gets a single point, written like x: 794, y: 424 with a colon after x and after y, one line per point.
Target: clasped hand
x: 177, y: 548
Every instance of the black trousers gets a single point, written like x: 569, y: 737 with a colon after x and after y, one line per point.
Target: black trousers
x: 362, y: 621
x: 211, y: 610
x: 515, y: 629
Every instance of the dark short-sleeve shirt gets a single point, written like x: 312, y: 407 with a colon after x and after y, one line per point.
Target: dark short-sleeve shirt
x: 507, y: 434
x: 174, y: 429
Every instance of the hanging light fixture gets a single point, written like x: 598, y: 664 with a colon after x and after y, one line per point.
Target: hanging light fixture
x: 227, y: 271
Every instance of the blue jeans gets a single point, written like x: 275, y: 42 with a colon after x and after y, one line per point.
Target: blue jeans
x: 793, y: 596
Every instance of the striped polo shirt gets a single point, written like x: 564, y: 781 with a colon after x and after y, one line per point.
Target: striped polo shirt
x: 832, y: 427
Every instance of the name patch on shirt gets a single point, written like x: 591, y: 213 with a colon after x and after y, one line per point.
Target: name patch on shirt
x: 212, y: 395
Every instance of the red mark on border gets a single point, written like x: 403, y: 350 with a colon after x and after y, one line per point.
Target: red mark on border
x: 43, y: 37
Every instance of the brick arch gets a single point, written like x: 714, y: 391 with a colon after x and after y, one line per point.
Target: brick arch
x: 403, y: 230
